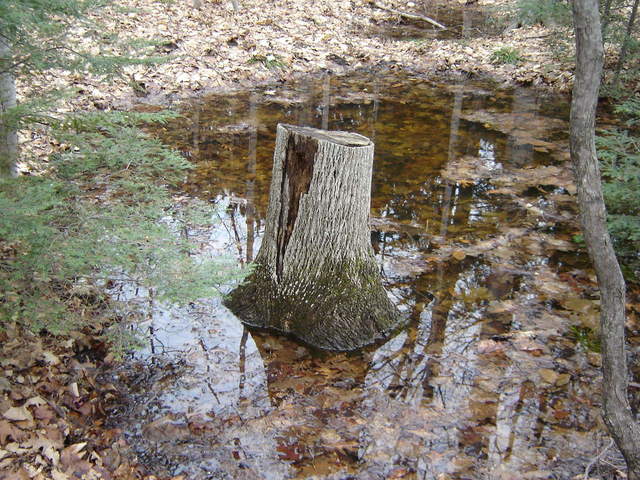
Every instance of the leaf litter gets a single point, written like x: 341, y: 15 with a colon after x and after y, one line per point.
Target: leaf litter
x: 208, y: 45
x: 53, y: 412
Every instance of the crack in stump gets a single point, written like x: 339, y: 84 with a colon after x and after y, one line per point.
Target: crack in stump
x: 297, y: 173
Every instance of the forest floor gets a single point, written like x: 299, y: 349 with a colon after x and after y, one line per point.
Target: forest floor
x: 57, y: 395
x: 208, y: 46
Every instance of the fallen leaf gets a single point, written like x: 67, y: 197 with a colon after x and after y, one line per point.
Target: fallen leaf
x: 548, y: 375
x: 50, y: 358
x: 71, y: 457
x: 6, y: 431
x: 73, y: 389
x: 16, y: 448
x: 18, y: 414
x: 58, y: 475
x: 529, y: 345
x: 5, y: 385
x: 398, y: 473
x: 489, y: 346
x: 51, y: 454
x: 563, y: 379
x: 76, y: 447
x: 594, y: 359
x: 289, y: 453
x: 44, y: 445
x: 459, y: 255
x: 44, y: 413
x: 37, y: 401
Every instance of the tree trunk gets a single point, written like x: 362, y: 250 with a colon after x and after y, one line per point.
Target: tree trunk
x: 316, y: 276
x: 617, y: 411
x: 326, y: 100
x: 250, y: 209
x: 607, y: 18
x: 625, y: 43
x: 454, y: 136
x: 8, y: 133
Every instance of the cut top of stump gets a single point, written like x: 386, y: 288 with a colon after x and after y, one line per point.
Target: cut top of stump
x: 347, y: 139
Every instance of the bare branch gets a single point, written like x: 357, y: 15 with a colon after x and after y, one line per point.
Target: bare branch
x: 412, y: 16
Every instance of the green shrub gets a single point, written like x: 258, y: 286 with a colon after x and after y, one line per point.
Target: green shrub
x: 506, y: 55
x: 270, y: 61
x: 585, y: 337
x: 102, y: 216
x: 619, y: 154
x: 544, y: 12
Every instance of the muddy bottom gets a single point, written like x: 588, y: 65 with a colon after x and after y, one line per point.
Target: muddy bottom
x: 473, y: 225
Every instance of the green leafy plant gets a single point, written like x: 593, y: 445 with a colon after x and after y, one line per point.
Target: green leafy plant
x: 506, y: 55
x: 270, y: 61
x: 585, y: 337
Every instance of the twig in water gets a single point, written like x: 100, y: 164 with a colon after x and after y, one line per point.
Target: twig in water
x: 412, y: 16
x: 596, y: 460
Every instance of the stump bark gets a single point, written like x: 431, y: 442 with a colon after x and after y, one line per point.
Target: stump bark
x: 315, y: 275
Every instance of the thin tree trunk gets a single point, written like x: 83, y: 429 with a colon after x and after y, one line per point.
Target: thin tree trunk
x: 376, y: 108
x: 454, y: 135
x: 466, y: 23
x: 316, y: 276
x: 242, y: 356
x: 307, y: 105
x: 195, y: 133
x: 8, y: 133
x: 606, y: 19
x: 520, y: 154
x: 250, y: 210
x: 326, y: 100
x: 617, y: 411
x: 625, y: 42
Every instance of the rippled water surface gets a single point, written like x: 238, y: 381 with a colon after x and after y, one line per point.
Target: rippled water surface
x: 472, y: 226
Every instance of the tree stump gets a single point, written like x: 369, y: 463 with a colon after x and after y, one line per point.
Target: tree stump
x: 316, y: 276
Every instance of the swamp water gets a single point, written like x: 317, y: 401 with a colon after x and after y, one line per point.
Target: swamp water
x: 472, y: 225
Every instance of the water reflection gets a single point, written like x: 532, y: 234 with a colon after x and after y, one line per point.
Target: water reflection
x: 458, y: 392
x: 462, y: 21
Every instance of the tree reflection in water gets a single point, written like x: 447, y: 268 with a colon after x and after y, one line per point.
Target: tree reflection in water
x: 463, y: 234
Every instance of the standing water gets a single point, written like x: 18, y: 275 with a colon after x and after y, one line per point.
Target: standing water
x: 472, y: 222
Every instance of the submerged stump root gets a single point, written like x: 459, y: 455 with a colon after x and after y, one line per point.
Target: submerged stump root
x: 316, y: 275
